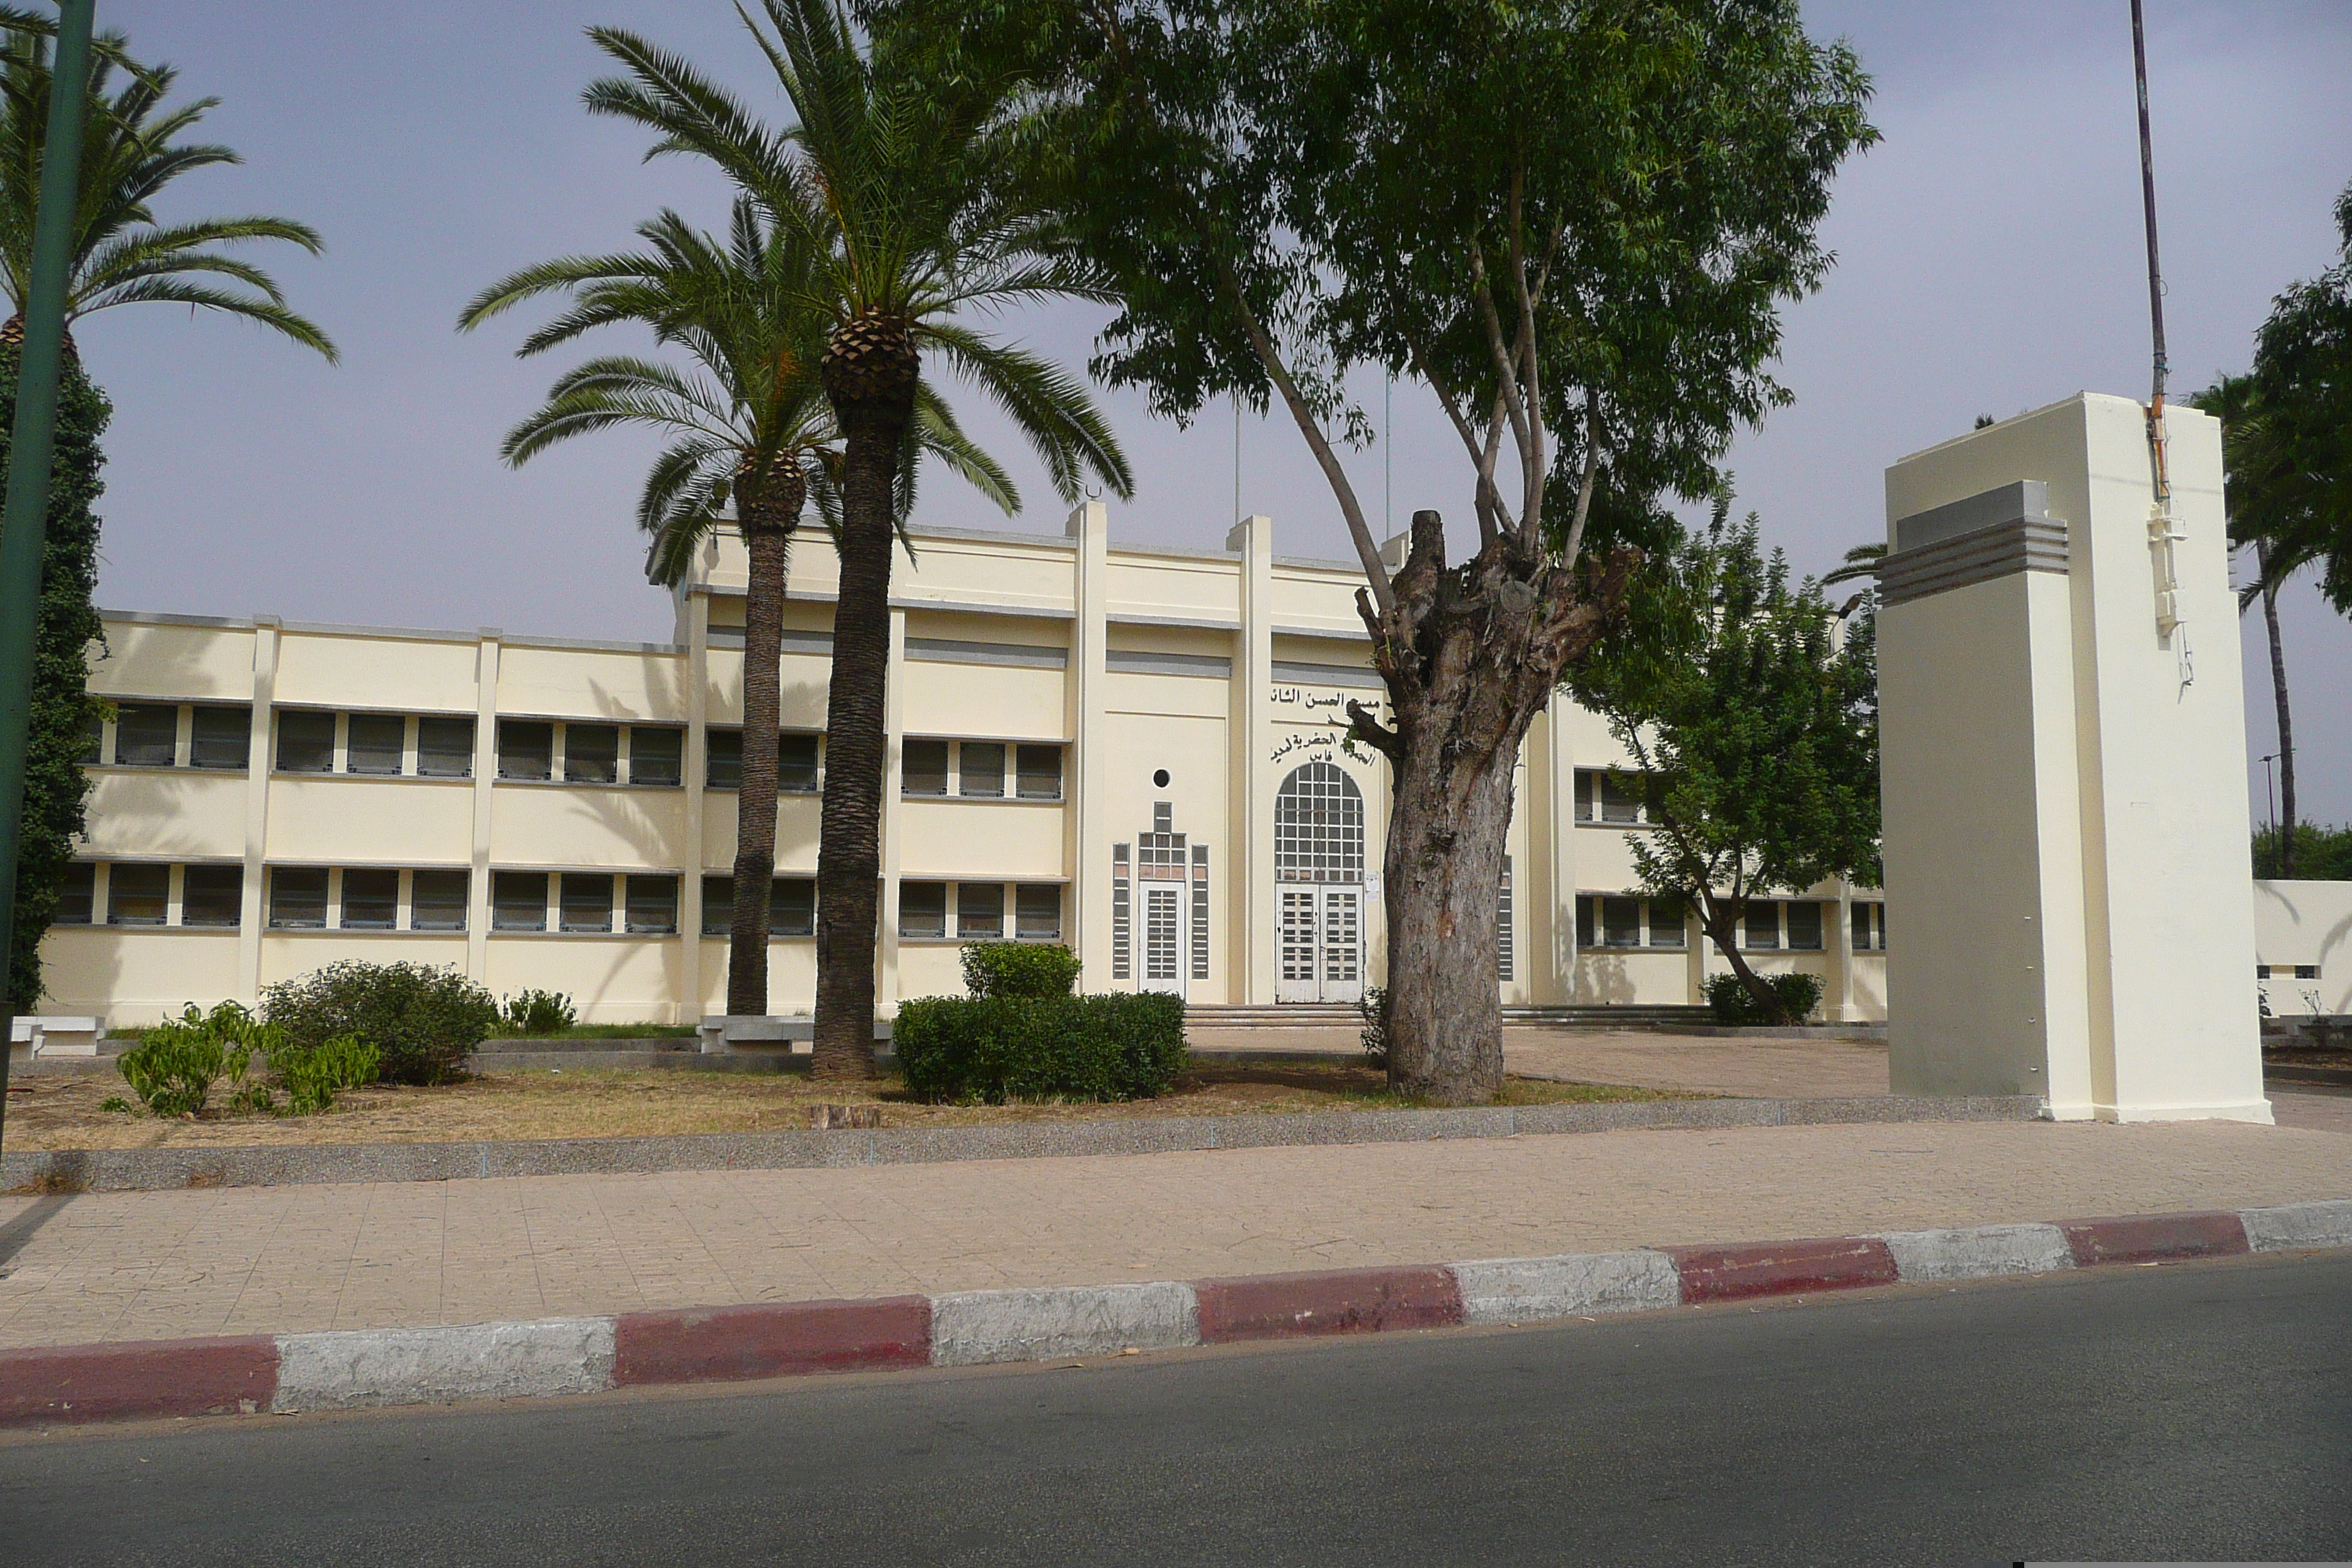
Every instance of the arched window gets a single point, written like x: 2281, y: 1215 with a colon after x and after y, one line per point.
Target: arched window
x: 1318, y: 827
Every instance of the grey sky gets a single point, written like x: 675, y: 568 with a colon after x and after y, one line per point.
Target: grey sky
x: 1988, y: 251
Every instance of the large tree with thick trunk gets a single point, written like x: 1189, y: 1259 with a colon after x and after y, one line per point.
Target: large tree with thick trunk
x: 1572, y: 222
x: 897, y: 172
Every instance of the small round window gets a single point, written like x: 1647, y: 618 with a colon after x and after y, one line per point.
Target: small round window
x: 1159, y: 779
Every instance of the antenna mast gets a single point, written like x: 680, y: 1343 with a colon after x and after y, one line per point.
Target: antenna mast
x: 2164, y: 533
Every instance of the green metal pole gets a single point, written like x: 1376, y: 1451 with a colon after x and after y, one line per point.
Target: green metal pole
x: 26, y: 517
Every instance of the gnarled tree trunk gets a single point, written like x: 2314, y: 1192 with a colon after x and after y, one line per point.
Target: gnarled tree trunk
x: 869, y: 370
x: 1470, y: 657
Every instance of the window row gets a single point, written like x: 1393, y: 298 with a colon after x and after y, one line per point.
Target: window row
x: 139, y: 894
x: 981, y: 770
x: 1766, y: 925
x: 980, y: 911
x: 554, y: 751
x: 172, y: 735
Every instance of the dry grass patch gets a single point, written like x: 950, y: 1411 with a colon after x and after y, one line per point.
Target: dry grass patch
x: 63, y: 1112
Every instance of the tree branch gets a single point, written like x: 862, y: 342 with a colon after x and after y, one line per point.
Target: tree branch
x: 1362, y: 726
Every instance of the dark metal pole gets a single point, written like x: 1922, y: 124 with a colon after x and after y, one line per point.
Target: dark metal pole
x: 2155, y: 274
x: 25, y: 519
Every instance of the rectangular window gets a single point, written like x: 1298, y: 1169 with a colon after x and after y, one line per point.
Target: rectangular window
x: 221, y: 738
x: 370, y: 900
x: 526, y: 749
x: 796, y: 764
x: 77, y: 896
x: 518, y: 900
x: 212, y: 896
x: 1858, y: 913
x: 306, y: 742
x: 980, y: 911
x: 138, y: 895
x: 587, y: 901
x: 1668, y: 922
x: 93, y: 738
x: 1037, y: 911
x: 1502, y: 923
x: 792, y: 907
x: 146, y: 735
x: 591, y: 754
x: 718, y: 905
x: 1200, y: 911
x: 1586, y: 933
x: 1121, y: 913
x: 445, y: 747
x: 1585, y: 794
x: 1620, y: 798
x: 2306, y: 971
x: 922, y: 909
x: 437, y: 899
x: 1761, y: 923
x: 1039, y: 773
x: 1805, y: 925
x: 1620, y: 922
x: 723, y: 758
x: 298, y: 897
x: 981, y: 774
x: 373, y: 743
x: 656, y: 755
x: 924, y: 767
x: 651, y: 903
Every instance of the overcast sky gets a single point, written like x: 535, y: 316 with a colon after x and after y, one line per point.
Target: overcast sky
x: 1988, y: 260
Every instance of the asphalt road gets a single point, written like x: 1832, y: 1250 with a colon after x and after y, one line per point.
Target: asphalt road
x: 2197, y: 1412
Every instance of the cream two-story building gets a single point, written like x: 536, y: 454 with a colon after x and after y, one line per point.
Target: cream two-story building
x: 1133, y: 751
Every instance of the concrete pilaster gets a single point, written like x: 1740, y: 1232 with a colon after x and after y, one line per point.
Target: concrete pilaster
x: 261, y: 758
x: 486, y: 772
x: 1252, y: 728
x: 1089, y: 913
x: 894, y: 743
x: 696, y: 774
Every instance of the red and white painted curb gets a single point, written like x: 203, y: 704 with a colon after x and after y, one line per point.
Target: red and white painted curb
x: 288, y: 1372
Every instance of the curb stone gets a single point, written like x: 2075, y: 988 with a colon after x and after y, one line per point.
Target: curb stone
x: 67, y: 1385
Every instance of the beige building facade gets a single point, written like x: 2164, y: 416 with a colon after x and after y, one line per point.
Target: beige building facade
x: 1136, y: 751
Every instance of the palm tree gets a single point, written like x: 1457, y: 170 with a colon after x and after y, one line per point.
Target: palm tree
x: 2268, y: 509
x: 751, y: 430
x: 122, y: 255
x: 905, y: 179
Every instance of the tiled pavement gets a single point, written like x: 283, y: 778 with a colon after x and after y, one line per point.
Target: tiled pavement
x: 289, y: 1260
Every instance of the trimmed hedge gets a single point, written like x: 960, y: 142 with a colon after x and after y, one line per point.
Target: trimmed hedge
x: 1798, y: 993
x: 995, y: 1048
x: 1018, y: 969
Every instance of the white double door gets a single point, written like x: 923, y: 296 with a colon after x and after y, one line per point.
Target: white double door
x: 1163, y: 938
x: 1318, y: 932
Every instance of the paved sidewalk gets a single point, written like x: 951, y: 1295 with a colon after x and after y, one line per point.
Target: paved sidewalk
x: 300, y: 1259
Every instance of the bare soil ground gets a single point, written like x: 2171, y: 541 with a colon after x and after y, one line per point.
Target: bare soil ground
x: 63, y: 1112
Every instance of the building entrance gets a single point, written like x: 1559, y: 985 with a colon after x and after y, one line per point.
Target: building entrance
x: 1319, y: 866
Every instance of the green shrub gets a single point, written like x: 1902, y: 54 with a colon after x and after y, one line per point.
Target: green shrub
x: 1797, y: 995
x: 115, y: 1102
x: 312, y: 1074
x: 422, y: 1022
x: 539, y: 1012
x: 1372, y: 1006
x: 1018, y: 969
x: 995, y: 1048
x: 176, y: 1064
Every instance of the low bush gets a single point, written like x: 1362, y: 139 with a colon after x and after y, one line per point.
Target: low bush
x: 312, y: 1074
x: 176, y: 1064
x: 539, y: 1012
x: 422, y: 1023
x: 1797, y: 994
x: 1018, y: 969
x: 1372, y: 1006
x: 995, y: 1048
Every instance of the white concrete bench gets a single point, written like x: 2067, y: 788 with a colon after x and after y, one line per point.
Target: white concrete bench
x: 54, y: 1035
x: 726, y: 1035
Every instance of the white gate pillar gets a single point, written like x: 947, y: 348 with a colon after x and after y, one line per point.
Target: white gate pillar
x: 2065, y: 803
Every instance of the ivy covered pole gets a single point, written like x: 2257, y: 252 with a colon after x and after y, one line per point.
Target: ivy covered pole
x: 27, y: 504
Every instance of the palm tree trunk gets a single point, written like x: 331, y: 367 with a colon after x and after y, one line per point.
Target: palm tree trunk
x: 2287, y: 817
x: 849, y: 854
x: 755, y: 802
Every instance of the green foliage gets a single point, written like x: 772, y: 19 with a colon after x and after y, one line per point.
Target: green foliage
x: 1373, y: 1008
x: 64, y: 714
x: 538, y: 1013
x: 175, y: 1066
x: 1795, y: 995
x: 2321, y: 854
x: 310, y: 1075
x: 995, y: 1048
x: 422, y: 1021
x: 115, y: 1102
x: 2291, y: 475
x: 1757, y: 726
x: 129, y: 151
x: 1018, y: 969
